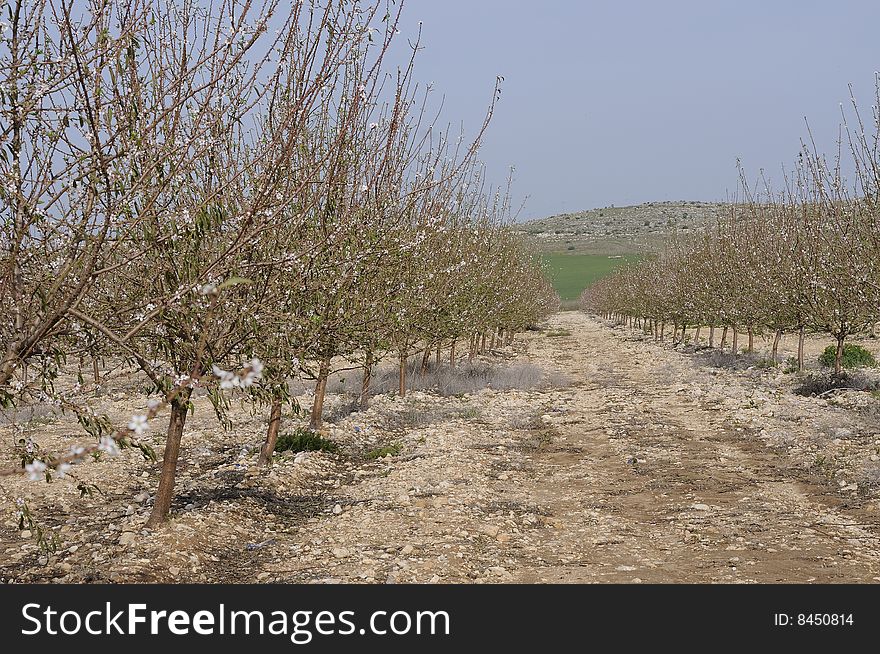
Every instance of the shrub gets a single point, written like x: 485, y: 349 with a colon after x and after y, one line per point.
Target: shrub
x: 791, y: 365
x: 303, y: 440
x: 465, y: 377
x: 854, y: 356
x: 820, y: 384
x: 724, y: 359
x: 342, y: 406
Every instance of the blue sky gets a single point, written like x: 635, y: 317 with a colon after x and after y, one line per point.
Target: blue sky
x: 621, y: 102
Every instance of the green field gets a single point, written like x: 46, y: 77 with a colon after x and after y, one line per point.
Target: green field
x: 572, y: 273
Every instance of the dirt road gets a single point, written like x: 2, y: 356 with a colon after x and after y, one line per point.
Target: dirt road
x: 640, y: 465
x: 652, y: 482
x: 635, y: 472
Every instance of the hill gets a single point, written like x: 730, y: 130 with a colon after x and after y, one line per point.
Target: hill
x: 619, y: 230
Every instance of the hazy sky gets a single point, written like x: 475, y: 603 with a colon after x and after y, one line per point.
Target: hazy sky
x: 622, y: 102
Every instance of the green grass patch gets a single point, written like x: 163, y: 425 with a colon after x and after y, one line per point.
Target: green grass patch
x: 572, y: 273
x: 304, y: 440
x: 379, y: 452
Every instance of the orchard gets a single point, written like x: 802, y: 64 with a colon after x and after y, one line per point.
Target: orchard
x: 225, y: 197
x: 803, y: 259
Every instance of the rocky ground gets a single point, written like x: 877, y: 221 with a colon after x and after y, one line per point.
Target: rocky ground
x: 640, y: 464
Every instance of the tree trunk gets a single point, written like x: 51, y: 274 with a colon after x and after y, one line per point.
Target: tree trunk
x: 452, y: 354
x: 801, y: 348
x: 838, y: 356
x: 751, y: 340
x: 95, y: 371
x: 473, y: 347
x: 483, y: 344
x: 697, y: 337
x: 711, y: 335
x: 165, y: 492
x: 401, y: 378
x: 776, y: 338
x: 723, y: 338
x: 426, y: 357
x: 320, y: 391
x: 268, y: 448
x: 662, y: 329
x: 735, y: 335
x: 365, y: 382
x: 437, y: 359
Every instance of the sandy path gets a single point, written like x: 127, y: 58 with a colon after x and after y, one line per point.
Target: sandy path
x: 701, y: 502
x: 641, y: 474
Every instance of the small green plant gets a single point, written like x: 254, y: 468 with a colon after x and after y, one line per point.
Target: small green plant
x: 854, y: 356
x: 389, y: 450
x: 48, y: 542
x: 553, y: 333
x: 791, y: 366
x: 304, y: 440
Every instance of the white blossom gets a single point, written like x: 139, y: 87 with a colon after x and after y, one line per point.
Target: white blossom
x: 138, y: 424
x: 108, y: 445
x: 35, y: 470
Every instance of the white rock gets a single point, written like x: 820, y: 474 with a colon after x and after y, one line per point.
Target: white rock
x: 127, y: 538
x: 701, y: 507
x: 490, y: 530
